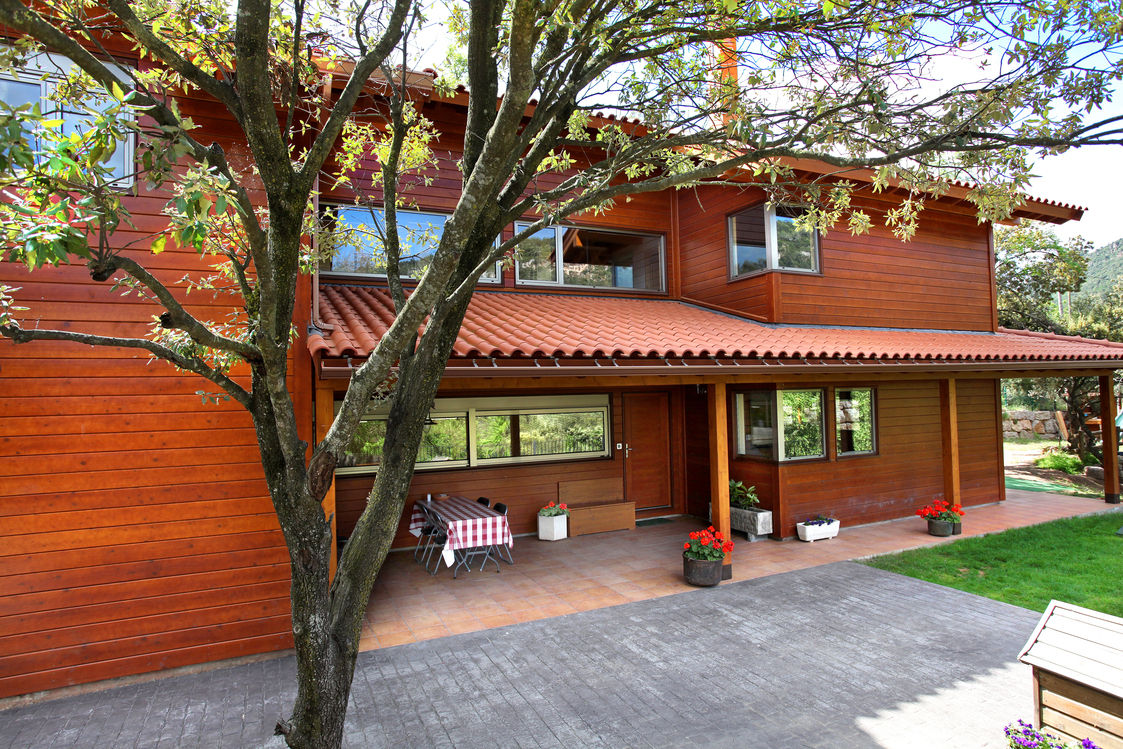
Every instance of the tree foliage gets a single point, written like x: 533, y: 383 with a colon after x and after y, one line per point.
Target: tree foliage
x: 917, y: 92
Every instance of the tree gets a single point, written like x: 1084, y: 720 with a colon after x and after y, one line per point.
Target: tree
x: 854, y: 84
x: 1032, y: 266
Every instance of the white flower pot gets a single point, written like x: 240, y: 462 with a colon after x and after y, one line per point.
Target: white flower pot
x: 552, y: 528
x: 817, y: 532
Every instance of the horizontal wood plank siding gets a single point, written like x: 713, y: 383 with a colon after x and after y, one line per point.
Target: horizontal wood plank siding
x: 905, y: 474
x: 940, y: 278
x: 523, y: 488
x: 136, y: 531
x: 979, y: 442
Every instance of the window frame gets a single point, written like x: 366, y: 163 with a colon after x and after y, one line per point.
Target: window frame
x: 873, y: 423
x: 501, y: 406
x: 559, y: 260
x: 46, y: 70
x: 328, y: 209
x: 771, y: 248
x: 829, y: 424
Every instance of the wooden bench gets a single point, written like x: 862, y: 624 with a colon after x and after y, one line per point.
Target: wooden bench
x: 596, y: 506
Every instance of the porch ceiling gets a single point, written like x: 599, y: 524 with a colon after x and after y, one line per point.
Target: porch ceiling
x: 521, y: 329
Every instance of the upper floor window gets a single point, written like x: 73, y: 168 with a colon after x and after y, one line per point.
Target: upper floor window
x: 595, y: 258
x: 768, y: 237
x: 39, y: 82
x: 358, y: 241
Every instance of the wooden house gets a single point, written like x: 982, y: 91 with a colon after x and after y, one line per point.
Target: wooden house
x: 676, y: 341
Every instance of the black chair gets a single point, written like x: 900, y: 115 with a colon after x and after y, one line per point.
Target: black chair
x: 503, y: 551
x: 484, y: 501
x: 437, y: 540
x: 427, y: 531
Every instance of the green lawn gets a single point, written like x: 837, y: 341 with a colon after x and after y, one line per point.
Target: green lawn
x: 1078, y: 560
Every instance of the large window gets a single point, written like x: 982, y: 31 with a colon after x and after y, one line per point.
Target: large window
x: 38, y: 83
x: 356, y: 241
x: 591, y: 257
x: 854, y: 421
x: 768, y: 237
x: 802, y: 429
x: 492, y: 431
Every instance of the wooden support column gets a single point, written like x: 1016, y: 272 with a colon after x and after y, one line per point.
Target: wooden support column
x: 1110, y: 441
x: 719, y: 467
x: 325, y: 415
x: 949, y: 432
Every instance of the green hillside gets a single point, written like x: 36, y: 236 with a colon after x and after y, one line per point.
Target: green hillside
x: 1105, y: 266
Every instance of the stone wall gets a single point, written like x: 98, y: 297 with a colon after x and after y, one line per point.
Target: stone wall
x: 1030, y: 424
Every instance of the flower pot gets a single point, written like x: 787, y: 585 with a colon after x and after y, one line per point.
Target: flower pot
x: 552, y: 528
x: 754, y: 523
x: 701, y: 572
x: 816, y: 532
x: 944, y: 527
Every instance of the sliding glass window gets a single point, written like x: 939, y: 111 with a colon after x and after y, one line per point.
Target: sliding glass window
x: 595, y: 258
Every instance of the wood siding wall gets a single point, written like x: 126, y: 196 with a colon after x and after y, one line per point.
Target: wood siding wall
x: 939, y: 279
x: 523, y: 488
x: 905, y: 474
x: 980, y: 445
x: 136, y: 532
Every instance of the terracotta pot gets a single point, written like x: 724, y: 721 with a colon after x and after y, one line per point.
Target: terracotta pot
x: 701, y: 572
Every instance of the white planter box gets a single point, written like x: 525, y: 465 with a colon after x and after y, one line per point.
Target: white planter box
x: 817, y: 532
x: 552, y: 528
x: 754, y: 523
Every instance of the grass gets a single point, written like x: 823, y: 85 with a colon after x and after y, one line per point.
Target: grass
x: 1053, y: 487
x: 1078, y: 560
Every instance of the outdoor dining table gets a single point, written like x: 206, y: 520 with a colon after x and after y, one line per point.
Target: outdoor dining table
x: 471, y: 525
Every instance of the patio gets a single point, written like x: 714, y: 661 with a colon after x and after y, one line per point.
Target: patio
x: 590, y: 572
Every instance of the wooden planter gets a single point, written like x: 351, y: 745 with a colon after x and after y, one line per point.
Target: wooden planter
x: 753, y: 522
x: 817, y: 532
x: 701, y: 572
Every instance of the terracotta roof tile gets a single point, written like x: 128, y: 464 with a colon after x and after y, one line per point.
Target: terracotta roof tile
x: 507, y: 324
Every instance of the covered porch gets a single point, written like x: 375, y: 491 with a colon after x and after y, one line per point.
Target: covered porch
x: 551, y: 579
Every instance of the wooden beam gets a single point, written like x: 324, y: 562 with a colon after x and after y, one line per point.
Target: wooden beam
x: 949, y: 433
x: 1110, y: 442
x: 1001, y: 468
x: 325, y: 415
x: 719, y: 466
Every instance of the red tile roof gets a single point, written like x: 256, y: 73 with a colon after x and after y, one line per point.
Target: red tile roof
x: 508, y: 324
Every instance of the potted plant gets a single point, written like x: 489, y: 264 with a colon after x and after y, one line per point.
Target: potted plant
x: 944, y: 518
x: 702, y: 557
x: 744, y: 515
x: 817, y: 528
x: 553, y: 520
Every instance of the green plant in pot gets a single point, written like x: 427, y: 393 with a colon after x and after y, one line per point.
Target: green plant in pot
x: 744, y: 515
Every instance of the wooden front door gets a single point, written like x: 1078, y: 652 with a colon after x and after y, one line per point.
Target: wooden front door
x: 647, y: 450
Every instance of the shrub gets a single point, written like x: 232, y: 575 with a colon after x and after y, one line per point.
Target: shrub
x: 1061, y: 462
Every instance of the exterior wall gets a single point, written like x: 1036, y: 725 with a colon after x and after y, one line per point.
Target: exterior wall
x: 905, y: 474
x: 939, y: 279
x: 981, y: 472
x: 136, y: 532
x: 523, y: 488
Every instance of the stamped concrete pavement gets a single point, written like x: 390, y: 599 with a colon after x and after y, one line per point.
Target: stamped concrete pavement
x: 836, y: 656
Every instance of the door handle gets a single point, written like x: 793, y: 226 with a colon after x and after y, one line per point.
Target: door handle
x: 627, y: 451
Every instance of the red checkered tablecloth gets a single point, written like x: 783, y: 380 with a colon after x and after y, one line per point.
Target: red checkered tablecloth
x: 470, y: 525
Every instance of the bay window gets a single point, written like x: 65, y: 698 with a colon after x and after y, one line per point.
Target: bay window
x: 769, y: 237
x: 791, y: 425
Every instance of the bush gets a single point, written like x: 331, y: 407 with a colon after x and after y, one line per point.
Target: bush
x: 1071, y: 464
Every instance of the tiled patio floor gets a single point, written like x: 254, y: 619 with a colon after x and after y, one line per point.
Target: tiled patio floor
x: 590, y: 572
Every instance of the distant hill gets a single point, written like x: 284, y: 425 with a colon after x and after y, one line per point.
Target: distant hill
x: 1105, y: 266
